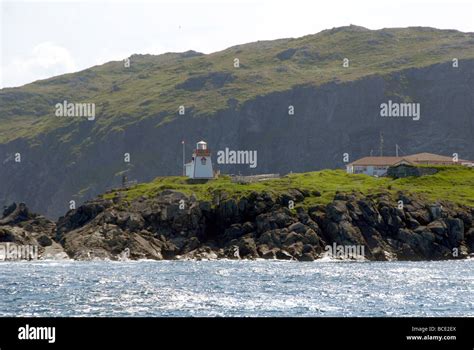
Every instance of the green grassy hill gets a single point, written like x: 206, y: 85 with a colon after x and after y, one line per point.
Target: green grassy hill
x: 452, y: 183
x: 205, y: 83
x: 337, y: 108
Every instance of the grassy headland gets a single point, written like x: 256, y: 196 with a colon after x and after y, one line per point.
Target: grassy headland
x: 451, y: 183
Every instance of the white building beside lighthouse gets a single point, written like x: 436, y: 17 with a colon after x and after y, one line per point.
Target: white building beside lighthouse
x: 200, y: 166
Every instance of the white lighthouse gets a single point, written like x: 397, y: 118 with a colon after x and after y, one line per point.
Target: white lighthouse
x: 200, y: 166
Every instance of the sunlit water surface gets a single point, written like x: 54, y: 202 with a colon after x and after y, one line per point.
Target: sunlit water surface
x: 237, y: 288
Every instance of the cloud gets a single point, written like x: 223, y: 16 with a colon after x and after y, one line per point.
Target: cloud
x: 45, y: 60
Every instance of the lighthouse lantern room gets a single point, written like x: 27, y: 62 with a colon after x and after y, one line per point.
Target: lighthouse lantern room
x: 200, y: 166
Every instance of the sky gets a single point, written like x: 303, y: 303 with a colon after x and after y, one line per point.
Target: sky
x: 43, y: 39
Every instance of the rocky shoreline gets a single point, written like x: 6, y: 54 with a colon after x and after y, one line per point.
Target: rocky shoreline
x: 172, y: 225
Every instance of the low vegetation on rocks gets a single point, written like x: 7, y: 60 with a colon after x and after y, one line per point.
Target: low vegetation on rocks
x: 296, y: 217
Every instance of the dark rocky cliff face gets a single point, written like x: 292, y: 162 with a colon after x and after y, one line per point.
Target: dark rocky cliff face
x: 329, y: 120
x: 260, y: 225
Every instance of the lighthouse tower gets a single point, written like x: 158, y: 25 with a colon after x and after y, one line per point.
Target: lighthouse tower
x: 200, y: 166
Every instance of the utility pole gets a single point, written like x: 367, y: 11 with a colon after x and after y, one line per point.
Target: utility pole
x: 396, y: 149
x: 184, y: 156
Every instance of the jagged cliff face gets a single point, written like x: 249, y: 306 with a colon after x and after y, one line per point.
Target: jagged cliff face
x: 259, y: 225
x: 78, y: 160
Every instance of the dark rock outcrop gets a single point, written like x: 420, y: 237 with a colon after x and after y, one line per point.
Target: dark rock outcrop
x: 352, y: 226
x: 259, y: 226
x: 20, y: 227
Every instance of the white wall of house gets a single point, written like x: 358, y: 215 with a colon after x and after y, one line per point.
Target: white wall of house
x: 370, y: 170
x: 379, y: 170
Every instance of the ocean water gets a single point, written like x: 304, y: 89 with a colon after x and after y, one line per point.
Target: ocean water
x: 237, y: 288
